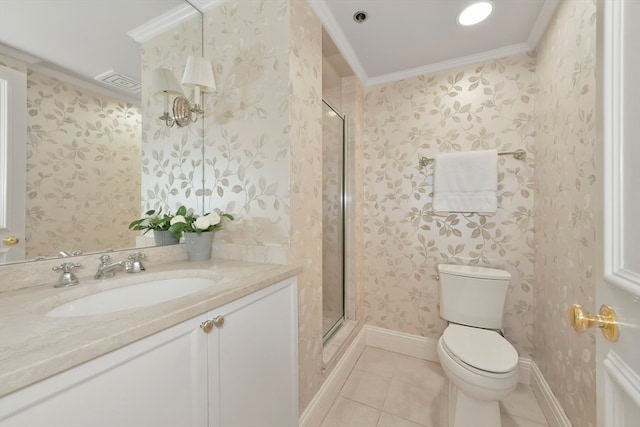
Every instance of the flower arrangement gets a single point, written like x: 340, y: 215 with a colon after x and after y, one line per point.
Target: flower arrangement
x: 152, y: 221
x: 187, y: 222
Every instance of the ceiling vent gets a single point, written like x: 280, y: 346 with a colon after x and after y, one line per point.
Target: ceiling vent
x: 120, y: 81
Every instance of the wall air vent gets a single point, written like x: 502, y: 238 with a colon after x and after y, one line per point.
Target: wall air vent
x: 119, y: 81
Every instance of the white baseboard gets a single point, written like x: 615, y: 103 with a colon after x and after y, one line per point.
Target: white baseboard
x: 422, y: 348
x: 319, y: 406
x: 400, y: 342
x: 524, y: 370
x: 548, y: 402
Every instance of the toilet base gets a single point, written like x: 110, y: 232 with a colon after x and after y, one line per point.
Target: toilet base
x: 465, y: 411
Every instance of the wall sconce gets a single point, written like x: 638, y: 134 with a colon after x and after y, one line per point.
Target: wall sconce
x: 197, y: 75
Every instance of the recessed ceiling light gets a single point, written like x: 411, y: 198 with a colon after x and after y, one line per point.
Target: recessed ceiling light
x: 475, y: 13
x: 360, y: 16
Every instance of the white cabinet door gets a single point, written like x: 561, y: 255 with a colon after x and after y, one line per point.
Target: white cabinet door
x: 253, y: 360
x: 155, y: 382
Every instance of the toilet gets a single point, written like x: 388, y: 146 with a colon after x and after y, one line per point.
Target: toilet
x: 481, y: 365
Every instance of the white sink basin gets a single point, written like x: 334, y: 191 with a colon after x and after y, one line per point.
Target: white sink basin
x: 132, y: 296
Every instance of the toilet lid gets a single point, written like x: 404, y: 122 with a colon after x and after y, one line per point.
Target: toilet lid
x: 481, y: 348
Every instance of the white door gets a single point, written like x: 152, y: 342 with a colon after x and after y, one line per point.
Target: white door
x: 13, y: 131
x: 618, y: 363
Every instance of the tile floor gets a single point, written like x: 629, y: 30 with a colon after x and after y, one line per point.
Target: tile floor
x: 387, y: 389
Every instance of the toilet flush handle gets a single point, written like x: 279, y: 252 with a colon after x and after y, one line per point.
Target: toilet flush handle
x: 581, y: 320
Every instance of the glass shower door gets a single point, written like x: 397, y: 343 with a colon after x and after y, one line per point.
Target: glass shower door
x: 332, y: 220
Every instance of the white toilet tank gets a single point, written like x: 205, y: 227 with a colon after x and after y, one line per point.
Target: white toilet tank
x: 473, y: 296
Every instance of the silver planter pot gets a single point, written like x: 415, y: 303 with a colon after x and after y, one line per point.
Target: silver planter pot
x: 198, y: 245
x: 164, y: 237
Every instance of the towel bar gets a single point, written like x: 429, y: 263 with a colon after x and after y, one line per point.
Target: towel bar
x: 518, y: 154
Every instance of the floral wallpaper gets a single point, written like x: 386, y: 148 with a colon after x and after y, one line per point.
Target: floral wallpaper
x: 171, y: 156
x: 83, y: 162
x: 566, y: 183
x: 489, y: 105
x: 248, y: 128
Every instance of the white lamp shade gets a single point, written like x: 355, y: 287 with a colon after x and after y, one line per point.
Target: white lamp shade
x: 198, y: 73
x: 163, y: 81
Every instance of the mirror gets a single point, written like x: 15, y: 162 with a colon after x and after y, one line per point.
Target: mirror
x: 89, y: 174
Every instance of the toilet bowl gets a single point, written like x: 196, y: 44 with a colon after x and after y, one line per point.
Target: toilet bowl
x: 482, y: 368
x: 481, y: 365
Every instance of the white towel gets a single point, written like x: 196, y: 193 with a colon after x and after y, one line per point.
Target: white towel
x: 466, y: 182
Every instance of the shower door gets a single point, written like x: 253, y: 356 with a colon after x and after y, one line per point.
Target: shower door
x: 332, y: 220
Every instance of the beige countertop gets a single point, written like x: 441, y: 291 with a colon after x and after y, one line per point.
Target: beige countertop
x: 34, y: 346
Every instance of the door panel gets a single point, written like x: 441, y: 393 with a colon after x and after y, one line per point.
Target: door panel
x: 13, y: 131
x: 618, y: 363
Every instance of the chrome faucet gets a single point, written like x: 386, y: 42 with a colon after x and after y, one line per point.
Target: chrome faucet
x: 107, y: 269
x: 67, y: 278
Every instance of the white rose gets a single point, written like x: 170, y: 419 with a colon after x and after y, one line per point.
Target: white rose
x: 201, y: 223
x: 176, y: 219
x: 214, y: 218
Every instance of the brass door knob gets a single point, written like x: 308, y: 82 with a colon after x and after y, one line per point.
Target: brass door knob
x: 218, y: 321
x: 581, y: 320
x: 10, y: 240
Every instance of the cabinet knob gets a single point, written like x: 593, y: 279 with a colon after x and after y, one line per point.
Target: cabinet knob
x: 208, y: 325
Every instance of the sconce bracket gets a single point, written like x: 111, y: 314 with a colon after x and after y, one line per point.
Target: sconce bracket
x: 182, y: 111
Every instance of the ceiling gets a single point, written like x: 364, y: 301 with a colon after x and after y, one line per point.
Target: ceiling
x: 401, y: 38
x: 81, y: 38
x: 405, y: 38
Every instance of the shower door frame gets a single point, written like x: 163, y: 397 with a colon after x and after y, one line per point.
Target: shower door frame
x: 343, y: 209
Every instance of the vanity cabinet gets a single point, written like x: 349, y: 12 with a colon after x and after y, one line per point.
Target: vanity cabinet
x: 235, y: 366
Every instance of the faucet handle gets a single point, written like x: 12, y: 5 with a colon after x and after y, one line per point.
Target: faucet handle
x: 67, y: 278
x: 104, y: 259
x: 135, y: 266
x: 66, y: 266
x: 136, y: 256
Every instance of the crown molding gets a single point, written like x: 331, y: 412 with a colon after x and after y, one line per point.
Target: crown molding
x: 163, y: 23
x: 170, y: 19
x: 451, y: 64
x: 206, y: 5
x: 19, y: 55
x: 546, y: 14
x: 338, y: 37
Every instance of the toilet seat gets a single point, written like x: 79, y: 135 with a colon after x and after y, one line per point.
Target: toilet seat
x: 480, y: 350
